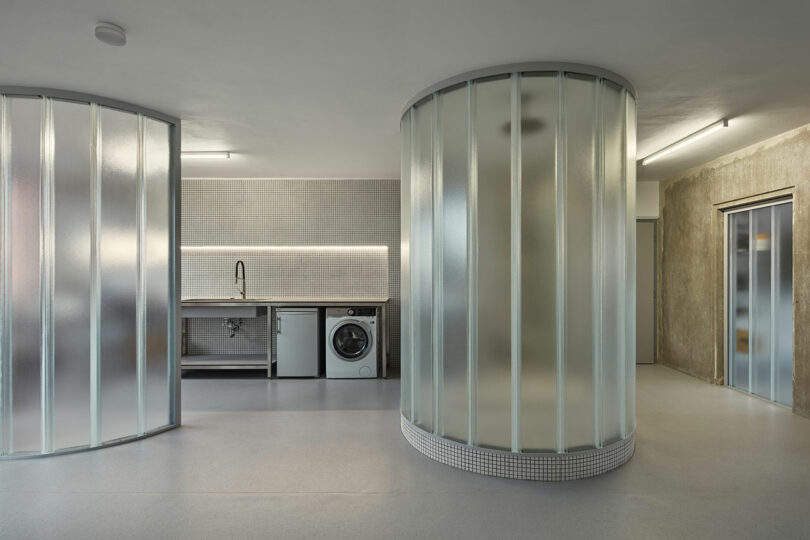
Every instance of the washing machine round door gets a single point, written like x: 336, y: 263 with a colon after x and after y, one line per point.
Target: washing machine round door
x: 351, y: 341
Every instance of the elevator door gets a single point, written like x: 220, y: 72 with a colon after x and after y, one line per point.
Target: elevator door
x: 760, y: 301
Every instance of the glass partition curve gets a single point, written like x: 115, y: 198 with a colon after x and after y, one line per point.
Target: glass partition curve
x: 520, y: 190
x: 88, y: 282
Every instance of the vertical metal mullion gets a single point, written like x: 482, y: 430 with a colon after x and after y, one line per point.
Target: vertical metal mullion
x: 175, y: 263
x: 46, y: 273
x: 627, y: 297
x: 140, y: 298
x: 438, y: 275
x: 472, y: 267
x: 597, y: 270
x: 627, y: 352
x: 774, y: 291
x: 5, y: 280
x: 560, y: 192
x: 730, y: 290
x: 413, y: 257
x: 95, y: 276
x: 751, y: 308
x: 515, y: 262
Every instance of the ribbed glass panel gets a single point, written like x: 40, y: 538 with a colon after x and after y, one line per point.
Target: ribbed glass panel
x: 454, y: 126
x: 613, y: 260
x: 25, y: 123
x: 630, y: 252
x: 156, y: 155
x: 405, y: 249
x: 761, y: 309
x: 422, y: 264
x: 72, y: 176
x: 739, y: 298
x: 119, y: 249
x: 783, y: 316
x: 581, y: 133
x: 493, y: 132
x: 549, y: 203
x: 72, y: 217
x: 538, y: 238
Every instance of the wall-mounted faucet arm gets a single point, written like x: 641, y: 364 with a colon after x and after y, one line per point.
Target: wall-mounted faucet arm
x: 236, y: 275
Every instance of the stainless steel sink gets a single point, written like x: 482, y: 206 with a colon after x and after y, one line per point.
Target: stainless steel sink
x: 224, y: 300
x: 223, y: 308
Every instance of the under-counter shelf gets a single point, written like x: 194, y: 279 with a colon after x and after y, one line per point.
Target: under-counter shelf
x: 224, y: 361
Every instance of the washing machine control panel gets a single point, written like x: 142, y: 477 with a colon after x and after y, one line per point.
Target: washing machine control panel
x: 354, y: 312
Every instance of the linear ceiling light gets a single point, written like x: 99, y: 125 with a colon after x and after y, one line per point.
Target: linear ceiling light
x: 686, y: 140
x: 206, y: 155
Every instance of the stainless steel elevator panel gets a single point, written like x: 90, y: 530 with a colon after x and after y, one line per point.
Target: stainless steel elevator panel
x: 759, y: 299
x: 297, y: 342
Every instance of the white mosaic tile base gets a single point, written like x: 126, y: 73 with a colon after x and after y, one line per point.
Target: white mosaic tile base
x: 545, y: 467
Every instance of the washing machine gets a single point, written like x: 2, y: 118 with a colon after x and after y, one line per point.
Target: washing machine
x: 351, y: 342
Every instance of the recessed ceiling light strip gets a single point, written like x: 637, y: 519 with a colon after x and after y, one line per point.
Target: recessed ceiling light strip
x: 708, y: 130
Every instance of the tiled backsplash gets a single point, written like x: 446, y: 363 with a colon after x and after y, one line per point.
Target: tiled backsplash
x: 310, y: 215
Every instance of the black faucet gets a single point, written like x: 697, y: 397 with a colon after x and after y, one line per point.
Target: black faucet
x: 236, y: 282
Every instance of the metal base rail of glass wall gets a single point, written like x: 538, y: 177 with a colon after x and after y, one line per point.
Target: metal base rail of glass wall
x: 89, y: 235
x: 518, y: 271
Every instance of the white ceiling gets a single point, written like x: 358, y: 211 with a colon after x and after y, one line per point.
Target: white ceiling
x: 315, y: 87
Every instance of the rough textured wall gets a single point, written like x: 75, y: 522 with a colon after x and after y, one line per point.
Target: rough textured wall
x: 690, y: 253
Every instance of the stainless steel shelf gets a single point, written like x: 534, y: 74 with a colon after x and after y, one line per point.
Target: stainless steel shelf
x: 224, y: 361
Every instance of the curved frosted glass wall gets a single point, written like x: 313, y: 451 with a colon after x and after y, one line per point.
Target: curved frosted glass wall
x: 518, y: 271
x: 88, y: 195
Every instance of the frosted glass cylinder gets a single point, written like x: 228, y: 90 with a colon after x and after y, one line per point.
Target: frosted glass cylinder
x: 518, y: 271
x: 88, y: 250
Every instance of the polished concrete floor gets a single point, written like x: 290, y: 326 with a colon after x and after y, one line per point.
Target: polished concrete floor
x: 316, y: 458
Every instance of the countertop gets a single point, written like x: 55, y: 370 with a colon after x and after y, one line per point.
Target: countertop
x: 278, y: 300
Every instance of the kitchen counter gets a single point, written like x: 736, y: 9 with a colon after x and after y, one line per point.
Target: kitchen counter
x: 283, y: 300
x: 271, y: 303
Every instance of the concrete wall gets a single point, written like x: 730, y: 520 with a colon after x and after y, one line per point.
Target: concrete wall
x: 690, y: 253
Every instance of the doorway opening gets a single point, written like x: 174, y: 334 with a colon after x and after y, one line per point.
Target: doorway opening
x: 759, y: 300
x: 646, y: 317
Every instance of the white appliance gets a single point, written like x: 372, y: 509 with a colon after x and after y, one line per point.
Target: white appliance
x: 351, y: 342
x: 297, y: 344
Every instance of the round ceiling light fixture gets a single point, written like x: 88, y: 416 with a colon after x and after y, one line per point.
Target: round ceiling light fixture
x: 111, y: 34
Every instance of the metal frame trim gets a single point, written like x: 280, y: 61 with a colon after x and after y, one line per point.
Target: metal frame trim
x: 472, y: 267
x: 438, y: 270
x: 506, y: 69
x: 774, y: 292
x: 5, y: 282
x: 515, y: 261
x: 752, y: 279
x: 91, y: 99
x: 140, y: 290
x: 95, y: 275
x: 411, y: 253
x: 87, y: 447
x: 560, y: 193
x: 46, y: 273
x: 597, y: 269
x: 174, y: 313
